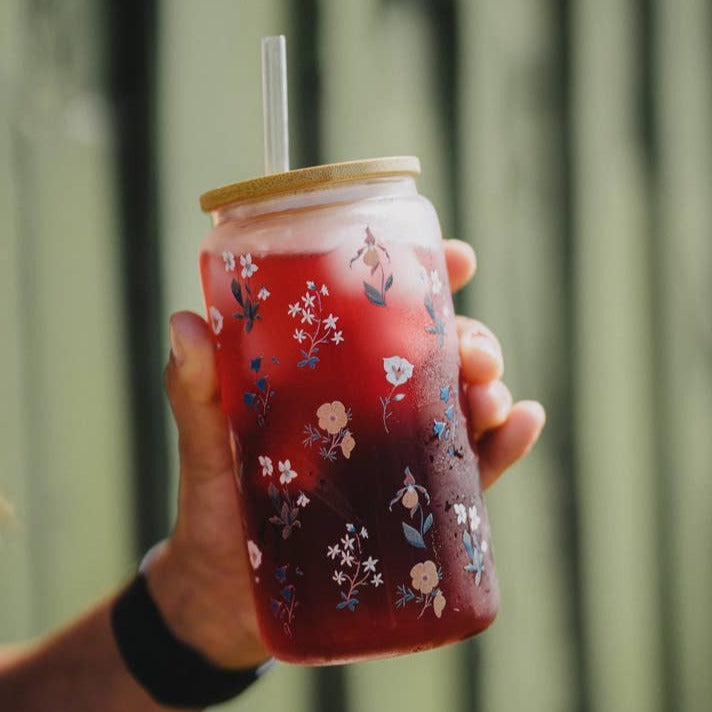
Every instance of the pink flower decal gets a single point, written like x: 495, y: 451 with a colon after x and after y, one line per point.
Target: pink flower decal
x: 333, y: 418
x: 439, y: 604
x: 375, y: 256
x: 424, y: 576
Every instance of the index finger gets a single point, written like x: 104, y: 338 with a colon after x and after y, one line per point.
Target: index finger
x: 461, y: 263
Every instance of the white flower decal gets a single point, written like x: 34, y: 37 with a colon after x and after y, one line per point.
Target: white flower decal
x: 370, y: 564
x: 474, y: 518
x: 254, y: 553
x: 263, y: 293
x: 398, y: 370
x: 229, y: 260
x: 287, y: 474
x: 216, y: 320
x: 302, y: 500
x: 435, y: 280
x: 248, y: 267
x: 461, y: 512
x: 266, y: 464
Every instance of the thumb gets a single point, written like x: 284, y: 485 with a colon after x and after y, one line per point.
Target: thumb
x: 192, y: 387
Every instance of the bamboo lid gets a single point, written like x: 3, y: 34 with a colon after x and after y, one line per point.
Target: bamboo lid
x: 309, y: 178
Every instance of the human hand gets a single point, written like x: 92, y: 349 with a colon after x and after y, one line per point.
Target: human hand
x: 200, y: 578
x: 504, y: 431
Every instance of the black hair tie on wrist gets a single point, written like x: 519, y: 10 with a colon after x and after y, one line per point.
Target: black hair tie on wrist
x: 172, y: 672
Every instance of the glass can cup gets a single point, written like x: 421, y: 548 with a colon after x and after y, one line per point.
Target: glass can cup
x: 327, y: 292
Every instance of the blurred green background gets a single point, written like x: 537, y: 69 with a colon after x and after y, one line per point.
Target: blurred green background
x: 569, y: 142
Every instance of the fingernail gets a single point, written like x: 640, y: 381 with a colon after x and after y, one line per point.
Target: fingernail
x: 176, y: 346
x: 537, y: 410
x: 503, y: 397
x: 485, y: 344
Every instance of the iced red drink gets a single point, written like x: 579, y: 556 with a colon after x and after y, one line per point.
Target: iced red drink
x: 327, y: 294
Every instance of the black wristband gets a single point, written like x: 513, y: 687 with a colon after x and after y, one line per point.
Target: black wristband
x: 172, y: 672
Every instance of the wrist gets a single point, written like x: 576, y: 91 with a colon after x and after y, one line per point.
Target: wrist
x: 200, y: 610
x: 172, y: 672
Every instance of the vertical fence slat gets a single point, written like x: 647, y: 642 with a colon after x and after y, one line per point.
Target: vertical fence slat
x: 513, y: 206
x: 615, y: 388
x: 130, y: 39
x: 76, y: 519
x: 379, y: 98
x: 684, y: 329
x: 15, y: 578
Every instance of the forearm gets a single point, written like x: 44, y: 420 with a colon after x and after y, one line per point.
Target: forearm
x: 79, y: 668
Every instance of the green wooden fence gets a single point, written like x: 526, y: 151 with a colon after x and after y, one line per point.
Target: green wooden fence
x: 568, y: 141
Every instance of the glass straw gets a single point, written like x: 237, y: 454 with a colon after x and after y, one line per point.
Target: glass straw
x: 274, y: 104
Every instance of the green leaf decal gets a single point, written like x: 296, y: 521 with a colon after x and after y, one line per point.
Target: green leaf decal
x: 373, y: 295
x: 413, y: 536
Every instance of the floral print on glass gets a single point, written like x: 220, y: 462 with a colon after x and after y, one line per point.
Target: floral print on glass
x: 260, y: 397
x: 475, y: 544
x: 424, y: 588
x: 216, y: 320
x: 243, y: 291
x: 445, y: 429
x: 411, y: 496
x: 314, y: 330
x: 332, y: 433
x: 285, y: 605
x: 398, y: 371
x: 228, y: 260
x: 255, y: 554
x: 433, y: 287
x: 353, y: 572
x: 286, y: 503
x: 375, y: 256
